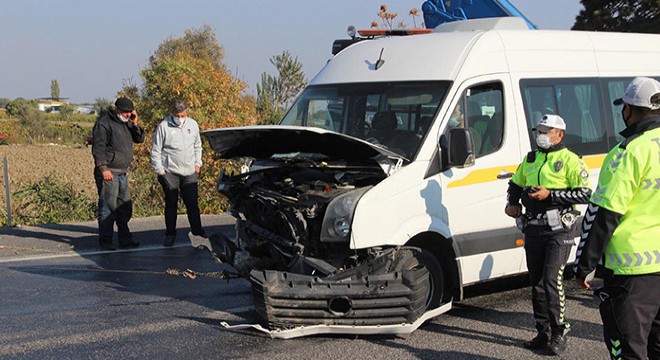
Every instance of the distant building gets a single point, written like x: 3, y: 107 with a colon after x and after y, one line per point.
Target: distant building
x: 51, y: 105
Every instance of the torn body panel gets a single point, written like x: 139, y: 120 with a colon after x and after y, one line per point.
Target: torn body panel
x: 299, y: 331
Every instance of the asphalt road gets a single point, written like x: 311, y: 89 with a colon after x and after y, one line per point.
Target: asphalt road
x: 72, y: 303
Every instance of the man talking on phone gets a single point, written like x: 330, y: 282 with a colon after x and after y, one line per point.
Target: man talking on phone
x: 549, y: 182
x: 112, y: 147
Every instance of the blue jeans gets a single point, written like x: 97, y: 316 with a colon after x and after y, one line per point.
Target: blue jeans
x: 115, y: 206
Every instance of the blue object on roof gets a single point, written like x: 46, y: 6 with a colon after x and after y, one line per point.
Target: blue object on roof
x: 437, y: 12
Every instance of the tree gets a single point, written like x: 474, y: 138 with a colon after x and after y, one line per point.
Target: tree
x: 619, y: 15
x: 33, y: 122
x: 267, y: 106
x: 189, y: 68
x: 275, y: 94
x: 291, y: 78
x: 54, y: 90
x: 66, y: 111
x: 16, y: 107
x: 102, y: 105
x: 4, y: 102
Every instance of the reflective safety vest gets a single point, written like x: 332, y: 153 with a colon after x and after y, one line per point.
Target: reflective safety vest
x: 560, y: 169
x: 629, y: 184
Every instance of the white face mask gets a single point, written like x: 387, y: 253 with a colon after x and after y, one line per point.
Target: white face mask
x: 454, y: 121
x: 123, y: 119
x: 177, y: 120
x: 543, y: 141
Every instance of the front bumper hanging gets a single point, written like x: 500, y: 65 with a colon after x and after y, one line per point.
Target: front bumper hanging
x: 294, y: 305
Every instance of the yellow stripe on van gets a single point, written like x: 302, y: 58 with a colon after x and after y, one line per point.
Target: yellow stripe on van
x: 490, y: 174
x: 594, y: 161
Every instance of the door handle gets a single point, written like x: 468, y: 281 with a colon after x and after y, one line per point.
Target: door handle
x: 504, y: 175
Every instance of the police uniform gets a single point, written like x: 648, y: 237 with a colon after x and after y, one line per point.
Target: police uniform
x: 549, y: 228
x: 622, y: 230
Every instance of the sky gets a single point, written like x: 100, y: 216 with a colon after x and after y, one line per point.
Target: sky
x: 92, y: 47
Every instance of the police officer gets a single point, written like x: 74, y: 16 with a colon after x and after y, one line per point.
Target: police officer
x: 621, y: 228
x: 549, y: 181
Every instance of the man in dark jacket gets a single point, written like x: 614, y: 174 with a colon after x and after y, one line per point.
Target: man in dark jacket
x: 112, y: 147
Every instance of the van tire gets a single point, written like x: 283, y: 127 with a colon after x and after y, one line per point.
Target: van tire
x: 409, y: 258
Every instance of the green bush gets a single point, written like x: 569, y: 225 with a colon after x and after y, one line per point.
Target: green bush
x: 70, y: 118
x: 11, y: 129
x: 45, y: 133
x: 3, y: 217
x: 49, y: 200
x: 146, y: 192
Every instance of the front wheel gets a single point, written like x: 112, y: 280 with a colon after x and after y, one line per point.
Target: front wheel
x: 411, y: 258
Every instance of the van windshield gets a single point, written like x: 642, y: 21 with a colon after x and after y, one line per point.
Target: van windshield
x: 394, y: 115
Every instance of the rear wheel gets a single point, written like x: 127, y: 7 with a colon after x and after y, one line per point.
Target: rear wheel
x: 410, y: 258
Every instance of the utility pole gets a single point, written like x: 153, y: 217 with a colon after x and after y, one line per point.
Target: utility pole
x: 7, y: 193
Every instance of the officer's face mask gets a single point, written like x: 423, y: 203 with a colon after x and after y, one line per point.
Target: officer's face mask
x: 623, y: 114
x: 543, y: 141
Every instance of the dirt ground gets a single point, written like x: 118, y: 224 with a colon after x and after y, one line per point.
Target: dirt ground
x: 26, y: 163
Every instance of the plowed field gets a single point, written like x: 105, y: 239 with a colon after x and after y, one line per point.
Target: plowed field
x: 26, y: 163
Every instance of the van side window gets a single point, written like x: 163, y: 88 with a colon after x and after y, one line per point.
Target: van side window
x: 578, y: 101
x: 615, y: 90
x: 481, y: 110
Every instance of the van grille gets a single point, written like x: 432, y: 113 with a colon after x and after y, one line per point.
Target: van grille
x: 284, y: 299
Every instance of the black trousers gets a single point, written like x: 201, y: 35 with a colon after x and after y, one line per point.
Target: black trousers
x: 187, y: 185
x: 546, y: 258
x: 630, y: 309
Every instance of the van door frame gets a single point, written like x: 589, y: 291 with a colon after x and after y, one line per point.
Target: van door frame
x: 487, y: 243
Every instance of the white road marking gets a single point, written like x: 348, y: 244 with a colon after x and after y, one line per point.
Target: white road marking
x: 86, y: 253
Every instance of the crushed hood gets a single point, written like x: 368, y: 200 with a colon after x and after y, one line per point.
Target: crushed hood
x: 263, y: 141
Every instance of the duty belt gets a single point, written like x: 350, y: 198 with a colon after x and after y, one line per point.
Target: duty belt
x: 537, y: 222
x: 557, y: 219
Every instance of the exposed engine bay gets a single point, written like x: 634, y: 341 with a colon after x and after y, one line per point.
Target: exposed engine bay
x: 280, y: 206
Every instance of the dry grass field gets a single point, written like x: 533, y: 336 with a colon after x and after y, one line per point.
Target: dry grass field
x: 26, y: 163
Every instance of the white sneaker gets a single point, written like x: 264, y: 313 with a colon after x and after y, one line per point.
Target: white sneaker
x: 199, y: 241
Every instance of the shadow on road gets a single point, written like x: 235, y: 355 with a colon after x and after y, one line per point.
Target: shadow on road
x: 72, y: 234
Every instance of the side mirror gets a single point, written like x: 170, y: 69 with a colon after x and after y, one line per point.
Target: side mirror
x: 458, y: 148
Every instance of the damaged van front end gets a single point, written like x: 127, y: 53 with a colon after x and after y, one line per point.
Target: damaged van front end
x: 294, y: 198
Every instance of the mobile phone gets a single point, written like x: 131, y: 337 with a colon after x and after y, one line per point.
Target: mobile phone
x: 132, y: 116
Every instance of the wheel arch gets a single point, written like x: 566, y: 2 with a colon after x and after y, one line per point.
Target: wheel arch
x: 443, y: 250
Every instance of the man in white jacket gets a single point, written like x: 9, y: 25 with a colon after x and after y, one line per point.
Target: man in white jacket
x: 176, y: 155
